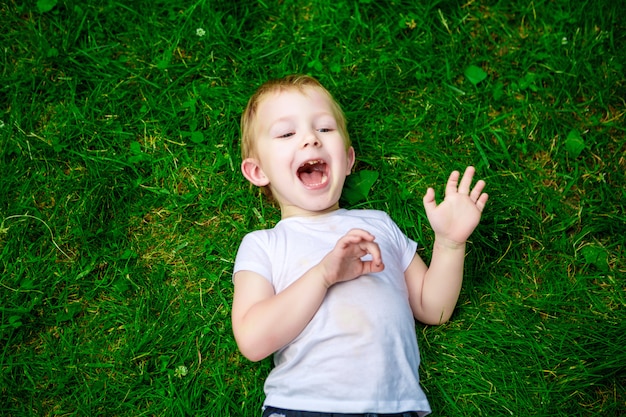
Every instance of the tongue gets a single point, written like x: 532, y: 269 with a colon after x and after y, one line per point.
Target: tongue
x: 311, y: 177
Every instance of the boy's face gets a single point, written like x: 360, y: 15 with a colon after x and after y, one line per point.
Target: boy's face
x: 300, y: 153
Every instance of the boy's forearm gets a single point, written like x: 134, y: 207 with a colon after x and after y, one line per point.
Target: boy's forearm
x: 443, y: 280
x: 274, y: 322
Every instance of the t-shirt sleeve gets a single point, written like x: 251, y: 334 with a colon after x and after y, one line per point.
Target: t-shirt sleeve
x: 253, y: 256
x: 406, y: 247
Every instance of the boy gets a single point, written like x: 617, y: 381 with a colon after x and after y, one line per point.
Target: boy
x: 334, y: 293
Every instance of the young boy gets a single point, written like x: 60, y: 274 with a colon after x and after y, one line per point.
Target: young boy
x: 333, y: 293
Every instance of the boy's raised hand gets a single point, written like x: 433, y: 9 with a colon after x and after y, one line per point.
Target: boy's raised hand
x: 344, y: 262
x: 456, y: 217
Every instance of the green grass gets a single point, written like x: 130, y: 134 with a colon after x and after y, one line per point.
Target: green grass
x: 122, y: 205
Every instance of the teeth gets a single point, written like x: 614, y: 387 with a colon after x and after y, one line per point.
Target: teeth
x: 312, y: 163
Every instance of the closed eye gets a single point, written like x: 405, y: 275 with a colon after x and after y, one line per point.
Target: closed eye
x: 286, y: 135
x: 325, y: 130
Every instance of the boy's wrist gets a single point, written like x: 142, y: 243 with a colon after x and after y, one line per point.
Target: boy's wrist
x: 450, y: 244
x: 321, y: 274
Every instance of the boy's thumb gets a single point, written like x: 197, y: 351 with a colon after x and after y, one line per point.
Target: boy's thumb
x: 429, y: 199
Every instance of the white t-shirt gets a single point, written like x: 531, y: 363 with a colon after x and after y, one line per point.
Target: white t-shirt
x: 359, y: 353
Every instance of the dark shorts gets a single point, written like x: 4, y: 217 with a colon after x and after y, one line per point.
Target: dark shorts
x: 279, y: 412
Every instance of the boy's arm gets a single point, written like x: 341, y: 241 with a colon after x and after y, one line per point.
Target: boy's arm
x: 264, y: 322
x: 434, y: 290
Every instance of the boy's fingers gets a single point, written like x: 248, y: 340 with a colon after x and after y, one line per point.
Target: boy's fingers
x: 372, y: 266
x: 374, y: 250
x: 482, y: 201
x: 362, y: 241
x: 453, y: 181
x: 370, y: 248
x: 355, y: 236
x: 466, y: 181
x: 478, y: 189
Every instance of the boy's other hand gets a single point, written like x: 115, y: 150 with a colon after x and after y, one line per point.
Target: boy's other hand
x: 459, y: 213
x: 345, y: 262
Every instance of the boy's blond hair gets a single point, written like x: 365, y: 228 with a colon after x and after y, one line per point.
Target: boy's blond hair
x: 298, y: 82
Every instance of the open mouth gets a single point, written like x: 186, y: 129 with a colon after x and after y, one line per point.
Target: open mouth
x: 313, y: 173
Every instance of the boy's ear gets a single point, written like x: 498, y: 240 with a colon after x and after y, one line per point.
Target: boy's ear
x: 351, y: 160
x: 252, y: 171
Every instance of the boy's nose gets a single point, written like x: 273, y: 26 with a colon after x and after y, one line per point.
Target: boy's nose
x: 311, y: 140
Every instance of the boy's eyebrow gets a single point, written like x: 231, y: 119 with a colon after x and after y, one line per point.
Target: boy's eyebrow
x: 281, y: 119
x: 288, y: 118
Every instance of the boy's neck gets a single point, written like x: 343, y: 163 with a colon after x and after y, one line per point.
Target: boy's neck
x: 292, y: 211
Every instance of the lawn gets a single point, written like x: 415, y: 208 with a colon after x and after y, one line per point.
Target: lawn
x: 122, y: 204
